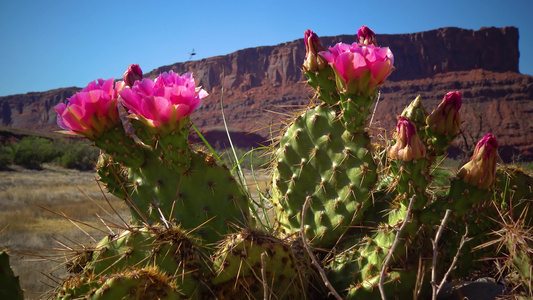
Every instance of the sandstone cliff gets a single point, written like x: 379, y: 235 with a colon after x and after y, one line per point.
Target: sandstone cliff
x: 264, y: 84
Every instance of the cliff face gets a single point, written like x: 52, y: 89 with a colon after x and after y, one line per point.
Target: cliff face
x: 416, y: 55
x: 264, y: 84
x: 33, y: 110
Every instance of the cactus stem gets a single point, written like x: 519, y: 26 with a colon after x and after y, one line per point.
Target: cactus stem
x: 314, y: 260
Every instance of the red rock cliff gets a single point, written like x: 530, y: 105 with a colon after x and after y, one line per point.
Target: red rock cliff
x: 482, y: 64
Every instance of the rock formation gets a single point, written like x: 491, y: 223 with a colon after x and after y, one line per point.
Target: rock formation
x: 263, y: 84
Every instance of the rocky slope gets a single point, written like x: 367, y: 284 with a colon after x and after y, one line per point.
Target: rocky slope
x: 263, y: 86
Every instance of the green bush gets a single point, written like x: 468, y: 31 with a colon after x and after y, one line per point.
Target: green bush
x: 78, y: 155
x: 6, y: 156
x: 31, y: 152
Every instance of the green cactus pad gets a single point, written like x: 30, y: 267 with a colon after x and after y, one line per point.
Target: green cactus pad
x: 398, y: 284
x: 411, y: 178
x: 121, y: 147
x: 172, y: 250
x: 323, y: 82
x: 319, y: 160
x: 113, y: 175
x: 9, y: 283
x: 246, y: 260
x: 136, y: 284
x: 356, y: 271
x: 354, y: 111
x: 514, y: 189
x: 204, y: 197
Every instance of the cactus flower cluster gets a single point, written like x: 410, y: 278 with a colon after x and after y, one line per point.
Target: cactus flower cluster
x: 345, y: 220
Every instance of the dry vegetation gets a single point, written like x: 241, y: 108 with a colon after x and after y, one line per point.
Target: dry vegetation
x: 31, y: 204
x: 37, y: 235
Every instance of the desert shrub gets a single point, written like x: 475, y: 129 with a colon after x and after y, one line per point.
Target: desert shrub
x: 6, y: 156
x: 31, y: 152
x: 78, y: 155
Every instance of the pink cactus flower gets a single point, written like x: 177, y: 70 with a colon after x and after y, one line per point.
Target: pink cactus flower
x: 359, y: 69
x: 481, y: 169
x: 132, y: 74
x: 313, y: 45
x: 445, y: 119
x: 163, y: 102
x: 408, y: 145
x: 366, y: 36
x: 91, y: 111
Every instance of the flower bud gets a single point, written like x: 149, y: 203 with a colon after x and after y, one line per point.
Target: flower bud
x: 445, y: 119
x: 133, y: 74
x: 313, y: 45
x: 366, y: 36
x: 481, y: 169
x: 416, y: 112
x: 408, y: 145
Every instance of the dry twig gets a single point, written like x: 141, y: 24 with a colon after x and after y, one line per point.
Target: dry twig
x: 391, y: 251
x: 435, y: 250
x: 464, y: 239
x: 264, y: 276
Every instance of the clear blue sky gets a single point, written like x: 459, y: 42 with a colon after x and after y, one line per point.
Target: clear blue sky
x: 49, y: 44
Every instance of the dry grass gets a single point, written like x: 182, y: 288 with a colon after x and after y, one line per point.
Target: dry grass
x: 31, y: 205
x: 28, y: 200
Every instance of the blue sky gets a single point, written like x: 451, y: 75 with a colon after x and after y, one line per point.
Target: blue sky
x: 49, y: 44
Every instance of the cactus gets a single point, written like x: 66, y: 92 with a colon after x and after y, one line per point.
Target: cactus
x: 367, y: 217
x: 9, y: 283
x: 152, y: 166
x: 321, y: 161
x: 141, y: 283
x: 252, y: 262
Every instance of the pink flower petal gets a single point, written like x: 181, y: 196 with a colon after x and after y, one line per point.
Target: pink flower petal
x: 164, y: 101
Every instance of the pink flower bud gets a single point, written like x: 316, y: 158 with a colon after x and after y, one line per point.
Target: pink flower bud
x: 481, y: 169
x: 91, y: 111
x: 313, y: 45
x: 366, y: 36
x: 134, y: 73
x: 408, y: 145
x: 445, y: 119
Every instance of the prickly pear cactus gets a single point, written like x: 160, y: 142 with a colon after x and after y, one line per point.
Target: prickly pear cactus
x: 384, y: 246
x: 353, y: 219
x: 137, y: 284
x: 183, y: 240
x: 147, y: 161
x: 332, y: 168
x: 325, y: 156
x: 9, y: 283
x: 253, y: 264
x: 175, y: 253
